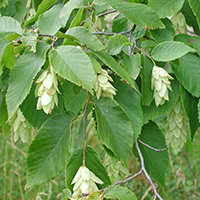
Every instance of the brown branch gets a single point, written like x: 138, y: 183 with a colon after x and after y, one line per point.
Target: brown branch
x: 146, y: 173
x: 84, y: 127
x: 95, y: 28
x: 129, y: 37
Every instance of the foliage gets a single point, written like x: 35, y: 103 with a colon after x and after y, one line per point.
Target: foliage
x: 69, y: 64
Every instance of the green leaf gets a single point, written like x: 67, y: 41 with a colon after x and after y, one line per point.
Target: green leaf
x: 22, y: 75
x: 170, y: 50
x: 48, y: 151
x: 111, y: 62
x: 74, y: 65
x: 188, y: 73
x: 95, y: 195
x: 50, y: 21
x: 30, y: 39
x: 114, y: 127
x: 85, y: 37
x: 119, y: 24
x: 166, y: 8
x: 139, y: 14
x: 199, y: 110
x: 195, y: 5
x: 3, y: 44
x: 167, y: 34
x: 119, y: 192
x: 37, y: 117
x: 10, y: 25
x: 193, y: 41
x: 116, y: 43
x: 156, y: 162
x: 44, y: 6
x: 20, y: 6
x: 190, y: 105
x: 71, y: 5
x: 73, y: 101
x: 8, y: 57
x: 132, y: 64
x: 92, y: 162
x: 152, y: 112
x: 4, y: 117
x: 189, y: 17
x: 130, y: 101
x: 147, y: 66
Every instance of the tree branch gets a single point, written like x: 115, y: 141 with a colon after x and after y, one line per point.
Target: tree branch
x: 146, y: 173
x: 151, y: 146
x: 106, y: 13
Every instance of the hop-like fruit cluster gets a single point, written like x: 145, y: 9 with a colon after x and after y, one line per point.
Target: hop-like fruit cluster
x: 116, y: 169
x: 84, y: 182
x: 102, y: 85
x: 46, y: 90
x: 20, y: 126
x: 179, y: 23
x: 176, y: 134
x: 160, y: 84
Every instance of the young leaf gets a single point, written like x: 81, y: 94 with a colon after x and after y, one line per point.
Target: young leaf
x: 119, y: 24
x: 48, y: 151
x: 190, y: 105
x: 92, y: 162
x: 195, y: 5
x: 114, y: 127
x: 139, y: 14
x: 73, y: 101
x: 22, y: 75
x: 188, y: 73
x: 116, y: 43
x: 111, y: 62
x: 85, y: 37
x: 44, y: 6
x: 10, y: 25
x: 170, y: 50
x: 166, y: 8
x: 152, y: 112
x: 119, y: 192
x: 30, y: 39
x: 132, y: 64
x: 130, y: 101
x: 50, y: 21
x: 74, y: 65
x: 8, y: 57
x: 156, y: 162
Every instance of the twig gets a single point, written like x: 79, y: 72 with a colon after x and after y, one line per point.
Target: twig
x: 84, y: 128
x: 129, y: 37
x: 117, y: 183
x: 146, y: 173
x: 188, y: 163
x: 95, y: 28
x: 121, y: 33
x: 106, y: 13
x: 45, y: 35
x: 146, y: 55
x: 151, y: 146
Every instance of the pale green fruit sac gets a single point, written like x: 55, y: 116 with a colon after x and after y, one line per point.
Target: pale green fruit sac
x: 160, y: 84
x: 176, y: 134
x: 84, y: 181
x: 20, y: 126
x: 102, y: 86
x: 46, y: 90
